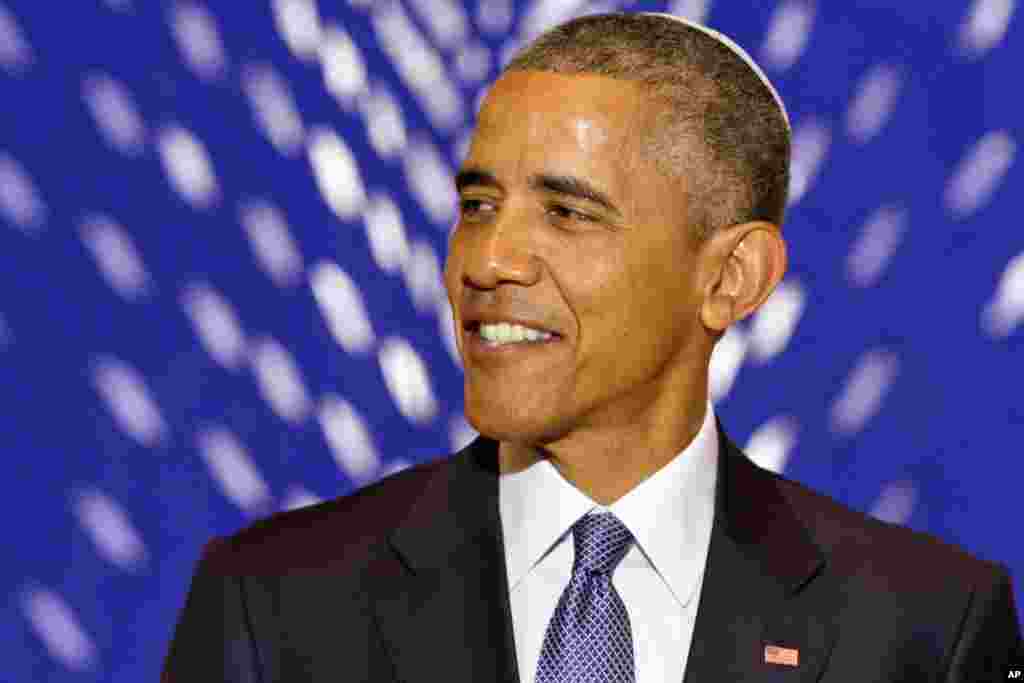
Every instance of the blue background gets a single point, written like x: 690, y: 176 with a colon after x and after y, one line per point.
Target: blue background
x: 222, y: 229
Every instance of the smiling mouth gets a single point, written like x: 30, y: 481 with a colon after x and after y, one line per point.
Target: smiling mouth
x: 478, y: 343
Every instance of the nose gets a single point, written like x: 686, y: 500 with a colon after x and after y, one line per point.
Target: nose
x: 498, y: 253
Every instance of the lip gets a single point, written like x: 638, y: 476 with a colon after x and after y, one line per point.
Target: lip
x: 480, y: 348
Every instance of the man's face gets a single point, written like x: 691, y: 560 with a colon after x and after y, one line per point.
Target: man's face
x: 619, y: 288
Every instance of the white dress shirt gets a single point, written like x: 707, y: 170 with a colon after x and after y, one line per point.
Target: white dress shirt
x: 669, y: 514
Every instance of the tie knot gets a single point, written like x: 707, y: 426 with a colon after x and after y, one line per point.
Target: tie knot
x: 601, y: 541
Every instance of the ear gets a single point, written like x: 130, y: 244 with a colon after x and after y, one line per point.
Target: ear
x: 742, y: 265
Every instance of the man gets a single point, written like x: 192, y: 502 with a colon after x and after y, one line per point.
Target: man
x: 620, y: 207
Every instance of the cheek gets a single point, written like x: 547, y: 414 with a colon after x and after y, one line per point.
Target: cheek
x: 659, y: 283
x: 597, y: 274
x: 599, y: 286
x: 453, y: 261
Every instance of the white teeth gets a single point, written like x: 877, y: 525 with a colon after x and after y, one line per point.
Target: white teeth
x: 504, y: 333
x: 535, y: 335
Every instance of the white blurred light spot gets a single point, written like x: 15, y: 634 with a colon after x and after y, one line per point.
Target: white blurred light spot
x: 895, y: 503
x: 298, y: 22
x: 600, y: 7
x: 386, y: 233
x: 383, y: 119
x: 114, y: 111
x: 116, y: 257
x: 108, y: 526
x: 494, y: 16
x: 446, y: 327
x: 478, y: 101
x: 271, y: 242
x: 810, y: 145
x: 445, y: 19
x: 233, y: 469
x: 460, y: 433
x: 188, y: 166
x: 195, y: 31
x: 985, y: 25
x: 543, y: 14
x: 864, y: 390
x: 461, y: 146
x: 873, y: 102
x: 125, y: 393
x: 341, y: 304
x: 473, y: 62
x: 343, y: 66
x: 298, y: 497
x: 280, y: 384
x: 508, y: 51
x: 879, y: 238
x: 407, y: 380
x: 274, y: 109
x: 775, y: 321
x: 726, y: 361
x: 419, y: 65
x: 771, y: 444
x: 19, y: 200
x: 694, y: 10
x: 15, y: 52
x: 350, y: 441
x: 788, y: 33
x: 336, y: 172
x: 424, y: 278
x: 215, y: 323
x: 57, y: 626
x: 1005, y: 311
x: 980, y: 173
x: 430, y: 180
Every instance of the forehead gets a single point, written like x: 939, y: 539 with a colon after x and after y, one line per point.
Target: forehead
x: 559, y: 115
x: 561, y: 92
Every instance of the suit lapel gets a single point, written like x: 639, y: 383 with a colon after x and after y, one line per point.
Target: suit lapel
x: 447, y: 615
x: 760, y: 587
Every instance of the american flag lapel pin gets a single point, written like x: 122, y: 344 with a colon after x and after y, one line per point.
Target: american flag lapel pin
x: 773, y: 654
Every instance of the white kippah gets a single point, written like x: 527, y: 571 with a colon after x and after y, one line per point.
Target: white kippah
x: 729, y: 43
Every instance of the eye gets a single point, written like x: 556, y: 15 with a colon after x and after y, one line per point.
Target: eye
x: 470, y: 206
x: 566, y: 212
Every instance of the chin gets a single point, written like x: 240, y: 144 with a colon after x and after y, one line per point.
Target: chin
x: 526, y: 427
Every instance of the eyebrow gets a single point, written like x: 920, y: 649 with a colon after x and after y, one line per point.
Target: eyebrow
x: 568, y: 185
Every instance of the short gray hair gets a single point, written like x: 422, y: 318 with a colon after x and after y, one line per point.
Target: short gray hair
x: 708, y: 93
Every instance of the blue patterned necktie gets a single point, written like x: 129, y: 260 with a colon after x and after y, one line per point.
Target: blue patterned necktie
x: 589, y: 638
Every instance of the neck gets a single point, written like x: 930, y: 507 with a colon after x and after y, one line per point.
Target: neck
x: 608, y: 461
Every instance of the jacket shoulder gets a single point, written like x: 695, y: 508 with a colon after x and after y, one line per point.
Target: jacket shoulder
x: 331, y: 535
x: 899, y: 588
x: 884, y: 554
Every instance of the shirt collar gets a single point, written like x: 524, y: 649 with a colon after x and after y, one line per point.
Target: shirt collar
x: 669, y: 514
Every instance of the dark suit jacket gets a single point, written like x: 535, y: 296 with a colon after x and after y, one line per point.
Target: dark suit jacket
x: 405, y: 580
